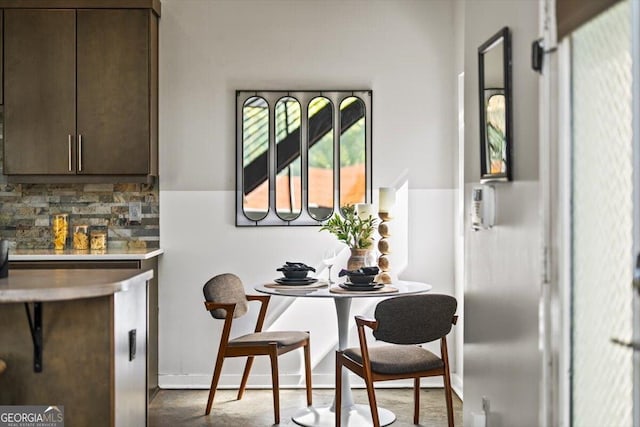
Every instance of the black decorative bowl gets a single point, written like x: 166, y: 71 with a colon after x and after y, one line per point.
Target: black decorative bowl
x: 295, y: 274
x: 295, y: 270
x: 360, y: 279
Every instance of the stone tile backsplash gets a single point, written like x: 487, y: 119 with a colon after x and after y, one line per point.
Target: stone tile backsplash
x: 26, y: 211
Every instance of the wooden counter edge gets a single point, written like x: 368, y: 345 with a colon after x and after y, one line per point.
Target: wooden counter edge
x: 71, y: 292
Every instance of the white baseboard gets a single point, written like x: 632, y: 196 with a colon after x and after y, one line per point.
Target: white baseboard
x: 294, y: 381
x: 456, y: 385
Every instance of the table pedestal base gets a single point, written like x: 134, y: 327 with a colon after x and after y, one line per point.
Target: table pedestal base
x: 353, y: 416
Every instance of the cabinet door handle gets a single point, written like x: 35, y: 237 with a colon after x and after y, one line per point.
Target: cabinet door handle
x: 69, y: 145
x: 79, y: 153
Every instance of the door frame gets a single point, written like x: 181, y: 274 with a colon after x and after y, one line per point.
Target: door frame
x: 554, y: 175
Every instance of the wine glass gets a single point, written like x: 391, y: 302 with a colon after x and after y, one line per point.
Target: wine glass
x: 370, y: 259
x: 329, y: 259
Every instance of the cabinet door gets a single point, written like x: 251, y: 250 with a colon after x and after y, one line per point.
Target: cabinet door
x: 40, y: 91
x: 1, y: 31
x: 113, y: 92
x: 130, y: 356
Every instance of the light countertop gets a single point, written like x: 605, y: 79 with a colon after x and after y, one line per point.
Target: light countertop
x: 75, y: 255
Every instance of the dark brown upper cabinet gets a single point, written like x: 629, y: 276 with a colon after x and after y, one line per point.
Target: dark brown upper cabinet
x: 80, y: 94
x: 40, y: 91
x: 1, y: 47
x: 113, y: 92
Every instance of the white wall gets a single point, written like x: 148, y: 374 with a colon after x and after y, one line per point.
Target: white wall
x: 502, y: 265
x: 402, y: 50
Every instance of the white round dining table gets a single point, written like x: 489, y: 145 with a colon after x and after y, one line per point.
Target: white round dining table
x: 352, y: 414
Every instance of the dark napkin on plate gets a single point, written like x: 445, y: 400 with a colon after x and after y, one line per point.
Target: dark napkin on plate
x: 364, y: 271
x: 295, y: 266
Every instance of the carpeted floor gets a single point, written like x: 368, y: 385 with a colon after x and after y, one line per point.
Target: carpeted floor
x: 174, y: 408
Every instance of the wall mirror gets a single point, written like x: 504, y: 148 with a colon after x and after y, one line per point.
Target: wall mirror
x: 255, y: 159
x: 494, y: 69
x: 353, y: 150
x: 301, y: 155
x: 321, y: 155
x: 287, y: 133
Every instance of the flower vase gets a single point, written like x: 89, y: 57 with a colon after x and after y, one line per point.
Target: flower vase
x: 357, y: 258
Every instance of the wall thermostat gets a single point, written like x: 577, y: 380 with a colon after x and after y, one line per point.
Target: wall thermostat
x: 482, y: 207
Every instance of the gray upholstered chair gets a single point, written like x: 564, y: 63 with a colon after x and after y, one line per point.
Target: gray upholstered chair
x: 403, y: 322
x: 226, y: 299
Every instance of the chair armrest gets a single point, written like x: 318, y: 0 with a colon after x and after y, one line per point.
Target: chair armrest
x: 264, y: 303
x: 364, y: 321
x: 361, y: 322
x: 228, y: 308
x: 261, y: 298
x: 454, y: 320
x: 215, y: 305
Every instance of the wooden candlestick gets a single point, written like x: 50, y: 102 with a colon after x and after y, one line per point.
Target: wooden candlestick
x: 384, y: 248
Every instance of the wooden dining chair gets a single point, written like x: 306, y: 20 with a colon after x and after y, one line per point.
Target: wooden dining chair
x: 226, y: 299
x: 402, y: 323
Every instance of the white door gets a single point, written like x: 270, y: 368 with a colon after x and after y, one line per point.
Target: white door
x: 602, y: 234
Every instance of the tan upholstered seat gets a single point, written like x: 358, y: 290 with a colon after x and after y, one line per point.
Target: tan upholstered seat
x: 3, y: 366
x: 395, y: 359
x: 226, y: 299
x: 282, y: 339
x: 403, y: 322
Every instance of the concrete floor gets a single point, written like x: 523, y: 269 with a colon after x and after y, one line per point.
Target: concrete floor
x: 172, y: 408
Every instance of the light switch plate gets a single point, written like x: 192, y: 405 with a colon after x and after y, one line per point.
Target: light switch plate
x: 135, y: 212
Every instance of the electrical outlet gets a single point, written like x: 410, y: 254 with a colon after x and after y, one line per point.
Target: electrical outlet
x: 135, y: 212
